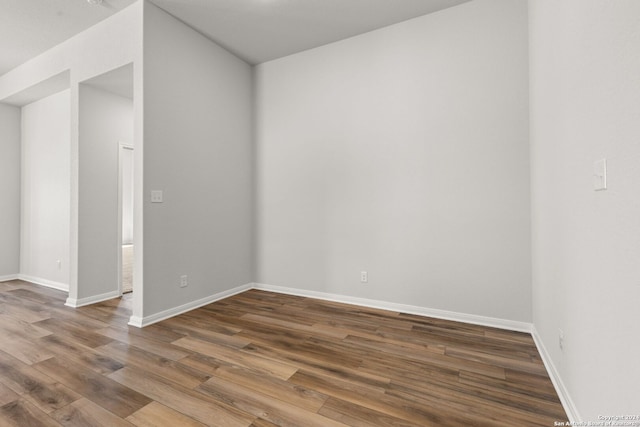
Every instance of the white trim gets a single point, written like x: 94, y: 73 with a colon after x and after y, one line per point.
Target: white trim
x: 75, y: 303
x: 9, y: 277
x: 493, y: 322
x: 44, y: 282
x: 561, y: 390
x: 141, y: 322
x: 136, y: 321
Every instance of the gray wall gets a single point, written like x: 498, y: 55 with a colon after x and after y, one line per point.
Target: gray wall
x: 585, y: 106
x: 402, y: 152
x: 105, y: 121
x: 9, y: 190
x: 46, y: 182
x: 197, y: 150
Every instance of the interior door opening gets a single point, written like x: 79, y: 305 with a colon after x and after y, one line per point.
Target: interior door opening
x: 126, y: 247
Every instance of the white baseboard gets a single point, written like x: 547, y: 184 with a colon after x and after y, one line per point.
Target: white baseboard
x: 493, y: 322
x: 561, y: 390
x: 75, y: 303
x: 45, y: 282
x: 9, y: 277
x: 141, y: 322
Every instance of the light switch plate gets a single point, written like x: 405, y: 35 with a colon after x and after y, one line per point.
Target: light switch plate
x: 156, y: 196
x: 600, y: 175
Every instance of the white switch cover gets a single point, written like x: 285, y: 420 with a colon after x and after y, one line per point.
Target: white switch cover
x: 600, y: 175
x: 156, y: 196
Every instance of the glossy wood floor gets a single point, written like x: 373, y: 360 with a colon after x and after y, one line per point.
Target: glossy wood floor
x: 261, y: 359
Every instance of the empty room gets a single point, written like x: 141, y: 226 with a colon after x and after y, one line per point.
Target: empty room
x: 319, y: 213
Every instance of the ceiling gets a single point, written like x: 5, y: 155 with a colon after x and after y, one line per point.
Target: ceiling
x: 255, y: 30
x: 30, y: 27
x: 262, y: 30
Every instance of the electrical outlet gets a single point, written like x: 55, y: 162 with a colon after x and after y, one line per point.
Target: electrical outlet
x: 364, y: 277
x: 184, y: 281
x: 561, y: 339
x: 156, y: 196
x: 59, y: 264
x: 600, y: 175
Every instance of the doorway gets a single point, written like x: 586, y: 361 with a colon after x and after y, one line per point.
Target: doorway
x: 125, y: 213
x: 105, y: 124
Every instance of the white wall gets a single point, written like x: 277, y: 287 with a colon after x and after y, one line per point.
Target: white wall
x: 46, y: 185
x: 197, y: 150
x: 402, y: 152
x: 585, y: 106
x: 106, y: 120
x: 9, y: 191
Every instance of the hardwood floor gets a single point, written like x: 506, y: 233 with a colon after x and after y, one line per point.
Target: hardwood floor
x: 261, y: 359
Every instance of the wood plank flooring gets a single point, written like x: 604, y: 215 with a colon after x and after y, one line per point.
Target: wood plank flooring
x: 261, y: 359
